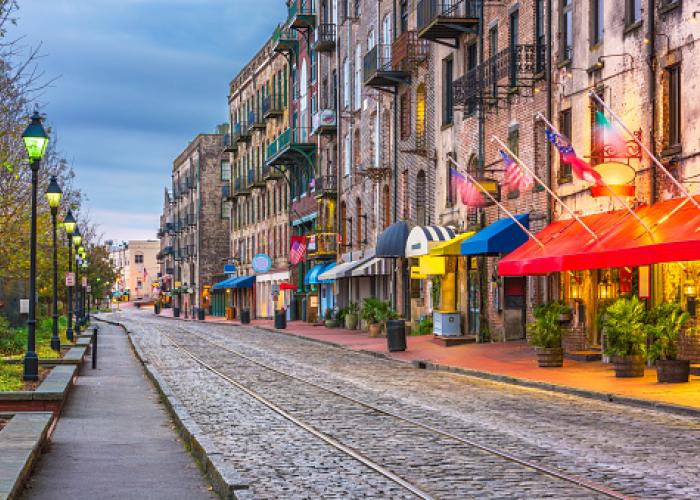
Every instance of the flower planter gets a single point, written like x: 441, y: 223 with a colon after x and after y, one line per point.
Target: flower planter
x: 629, y: 366
x: 672, y: 372
x: 549, y: 357
x: 351, y: 321
x: 375, y: 329
x: 331, y: 323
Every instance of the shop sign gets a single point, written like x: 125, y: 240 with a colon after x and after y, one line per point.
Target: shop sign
x: 262, y: 263
x: 178, y: 284
x: 311, y: 244
x: 70, y: 279
x: 229, y: 269
x: 275, y: 292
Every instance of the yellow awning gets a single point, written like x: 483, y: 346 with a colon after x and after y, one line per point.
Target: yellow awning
x: 416, y: 275
x: 431, y: 266
x: 451, y: 247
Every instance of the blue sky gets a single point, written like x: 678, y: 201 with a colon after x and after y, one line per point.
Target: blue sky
x: 138, y: 79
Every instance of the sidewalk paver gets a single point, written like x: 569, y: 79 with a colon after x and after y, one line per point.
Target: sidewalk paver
x: 115, y: 439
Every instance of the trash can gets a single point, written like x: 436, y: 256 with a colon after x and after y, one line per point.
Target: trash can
x: 176, y: 312
x: 200, y: 314
x: 281, y: 319
x: 396, y: 335
x: 156, y: 308
x: 245, y: 316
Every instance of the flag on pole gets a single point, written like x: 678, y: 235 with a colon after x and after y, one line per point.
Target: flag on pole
x: 607, y: 135
x: 468, y: 193
x: 516, y: 178
x: 297, y: 249
x: 581, y: 169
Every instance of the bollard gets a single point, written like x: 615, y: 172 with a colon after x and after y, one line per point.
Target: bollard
x: 94, y: 347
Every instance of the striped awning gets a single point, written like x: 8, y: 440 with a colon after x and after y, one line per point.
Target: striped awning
x: 375, y: 266
x: 422, y: 239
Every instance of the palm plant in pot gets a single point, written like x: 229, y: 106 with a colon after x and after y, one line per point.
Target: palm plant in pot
x: 666, y: 323
x: 545, y: 334
x: 372, y: 314
x: 626, y: 336
x: 329, y: 320
x: 351, y: 316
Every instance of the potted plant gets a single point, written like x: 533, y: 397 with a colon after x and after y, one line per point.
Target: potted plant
x: 371, y: 313
x: 667, y: 321
x: 626, y: 336
x: 351, y: 316
x: 545, y: 334
x: 329, y: 320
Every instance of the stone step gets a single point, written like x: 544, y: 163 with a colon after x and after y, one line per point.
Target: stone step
x: 450, y: 341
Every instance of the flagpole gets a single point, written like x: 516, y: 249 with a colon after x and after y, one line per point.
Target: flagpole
x: 605, y: 184
x: 547, y: 188
x: 507, y: 212
x: 645, y: 149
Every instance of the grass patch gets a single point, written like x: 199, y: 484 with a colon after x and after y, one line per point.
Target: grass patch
x: 13, y: 341
x: 11, y: 377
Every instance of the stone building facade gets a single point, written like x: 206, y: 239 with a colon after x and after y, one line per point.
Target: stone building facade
x: 137, y: 268
x: 166, y: 256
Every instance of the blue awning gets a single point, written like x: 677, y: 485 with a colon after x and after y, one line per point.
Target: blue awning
x: 503, y: 236
x: 222, y: 285
x: 392, y: 241
x: 244, y: 282
x: 311, y: 277
x: 327, y: 267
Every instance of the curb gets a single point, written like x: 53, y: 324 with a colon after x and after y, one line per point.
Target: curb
x: 225, y: 480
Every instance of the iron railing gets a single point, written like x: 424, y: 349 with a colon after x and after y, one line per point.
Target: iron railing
x: 376, y: 60
x: 429, y: 10
x: 408, y: 50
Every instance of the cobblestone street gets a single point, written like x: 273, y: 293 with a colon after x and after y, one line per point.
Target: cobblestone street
x: 491, y: 434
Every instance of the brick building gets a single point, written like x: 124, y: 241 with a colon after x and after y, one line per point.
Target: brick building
x: 166, y: 255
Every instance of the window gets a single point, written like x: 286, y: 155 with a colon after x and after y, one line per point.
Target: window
x: 405, y: 111
x: 450, y: 195
x: 138, y: 259
x: 358, y: 8
x: 403, y: 14
x: 356, y: 151
x: 633, y: 11
x: 514, y: 146
x: 493, y: 51
x: 540, y: 45
x: 404, y: 194
x: 358, y: 225
x: 597, y: 9
x: 225, y: 209
x: 472, y: 61
x: 386, y: 201
x: 343, y: 224
x: 421, y: 199
x: 421, y: 118
x: 447, y: 92
x: 513, y: 34
x: 347, y: 156
x: 565, y: 129
x: 358, y: 77
x: 673, y: 77
x: 596, y: 136
x: 566, y: 28
x: 225, y: 170
x: 346, y: 83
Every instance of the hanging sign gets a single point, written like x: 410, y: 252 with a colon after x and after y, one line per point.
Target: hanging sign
x: 89, y: 289
x: 84, y: 281
x: 261, y: 263
x: 70, y: 279
x: 229, y: 268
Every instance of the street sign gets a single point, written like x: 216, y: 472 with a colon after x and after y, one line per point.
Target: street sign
x: 261, y: 263
x: 88, y: 289
x: 24, y: 306
x: 229, y: 268
x: 84, y: 280
x: 275, y: 291
x: 70, y: 279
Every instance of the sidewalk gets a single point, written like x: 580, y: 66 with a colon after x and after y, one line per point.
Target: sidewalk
x: 114, y: 439
x: 512, y: 362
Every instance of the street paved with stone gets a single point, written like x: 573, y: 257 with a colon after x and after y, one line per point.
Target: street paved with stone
x: 353, y: 398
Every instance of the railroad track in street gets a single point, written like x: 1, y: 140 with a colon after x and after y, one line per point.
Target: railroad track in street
x: 350, y: 425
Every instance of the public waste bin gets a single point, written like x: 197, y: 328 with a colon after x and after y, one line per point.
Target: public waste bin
x: 281, y: 319
x: 200, y: 314
x: 176, y: 312
x: 396, y: 335
x: 245, y: 316
x: 156, y: 308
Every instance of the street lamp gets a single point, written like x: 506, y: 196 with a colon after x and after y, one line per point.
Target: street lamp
x: 85, y: 302
x: 35, y: 142
x: 53, y: 196
x: 70, y: 226
x: 77, y: 239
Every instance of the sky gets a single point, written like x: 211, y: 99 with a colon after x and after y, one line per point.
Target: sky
x: 137, y: 80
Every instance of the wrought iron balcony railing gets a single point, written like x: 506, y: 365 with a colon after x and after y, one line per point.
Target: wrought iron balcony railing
x: 324, y: 37
x: 323, y: 244
x: 273, y: 106
x: 284, y: 40
x: 301, y: 14
x: 408, y: 51
x: 447, y: 19
x: 326, y: 185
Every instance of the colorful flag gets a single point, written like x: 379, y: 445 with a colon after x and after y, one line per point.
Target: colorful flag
x: 613, y: 141
x: 581, y: 169
x: 516, y: 178
x: 468, y: 193
x: 297, y: 250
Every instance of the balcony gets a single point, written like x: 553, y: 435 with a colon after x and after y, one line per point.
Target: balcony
x: 230, y: 146
x: 301, y: 14
x: 246, y: 129
x: 273, y: 106
x: 284, y: 41
x: 444, y: 21
x: 325, y: 121
x: 258, y: 179
x: 378, y: 69
x: 292, y: 146
x: 326, y: 185
x: 324, y: 37
x: 240, y: 188
x: 499, y: 76
x: 256, y: 120
x: 322, y: 245
x: 270, y: 173
x: 408, y: 51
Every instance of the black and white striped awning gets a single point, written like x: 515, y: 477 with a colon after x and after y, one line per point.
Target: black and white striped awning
x: 421, y: 239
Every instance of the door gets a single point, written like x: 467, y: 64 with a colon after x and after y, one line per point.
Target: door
x: 514, y: 308
x: 386, y: 41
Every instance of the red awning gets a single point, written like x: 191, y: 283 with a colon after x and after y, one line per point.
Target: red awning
x: 287, y: 286
x: 675, y: 226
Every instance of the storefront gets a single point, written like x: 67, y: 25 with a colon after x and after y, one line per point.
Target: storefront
x: 321, y: 289
x: 267, y: 301
x: 346, y: 288
x: 657, y: 263
x: 239, y: 294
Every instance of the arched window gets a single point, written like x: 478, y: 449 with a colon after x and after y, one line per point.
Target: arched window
x: 386, y: 205
x: 356, y: 149
x: 358, y: 225
x: 372, y: 153
x: 421, y: 199
x: 420, y: 117
x: 343, y: 225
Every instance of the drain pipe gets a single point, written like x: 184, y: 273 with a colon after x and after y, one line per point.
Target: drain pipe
x: 651, y: 54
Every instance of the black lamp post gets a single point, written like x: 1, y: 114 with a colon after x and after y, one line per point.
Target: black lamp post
x: 77, y: 239
x: 35, y: 142
x: 53, y: 196
x: 85, y: 302
x: 69, y: 225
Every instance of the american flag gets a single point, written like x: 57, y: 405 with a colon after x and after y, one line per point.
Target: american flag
x: 516, y: 178
x: 581, y: 169
x: 298, y: 249
x: 469, y: 194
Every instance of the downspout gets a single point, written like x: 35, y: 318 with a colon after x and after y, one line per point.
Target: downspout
x: 198, y: 288
x: 548, y: 156
x: 481, y: 261
x: 651, y: 53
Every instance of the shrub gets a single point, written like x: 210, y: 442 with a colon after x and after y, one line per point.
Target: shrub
x: 665, y: 323
x: 425, y: 326
x: 624, y: 328
x: 11, y: 339
x: 546, y: 331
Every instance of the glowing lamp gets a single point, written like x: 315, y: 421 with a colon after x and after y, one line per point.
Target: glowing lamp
x: 689, y: 289
x: 605, y: 290
x: 574, y: 290
x: 35, y: 138
x: 69, y: 223
x: 77, y: 238
x: 53, y: 193
x: 619, y: 178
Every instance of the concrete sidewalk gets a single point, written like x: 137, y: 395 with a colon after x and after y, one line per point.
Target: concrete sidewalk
x: 115, y: 439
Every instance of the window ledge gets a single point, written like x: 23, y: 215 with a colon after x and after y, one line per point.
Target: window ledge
x: 630, y: 28
x: 669, y: 6
x: 671, y: 151
x: 445, y: 126
x: 564, y: 63
x: 565, y: 179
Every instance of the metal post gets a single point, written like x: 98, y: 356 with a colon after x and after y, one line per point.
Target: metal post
x: 55, y: 340
x: 94, y: 347
x: 69, y: 330
x: 31, y: 360
x: 77, y: 296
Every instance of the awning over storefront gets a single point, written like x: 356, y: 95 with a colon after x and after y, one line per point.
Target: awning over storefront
x: 674, y: 224
x: 243, y: 282
x: 278, y: 276
x: 343, y: 270
x: 422, y: 239
x: 327, y: 267
x: 312, y: 275
x: 222, y: 285
x: 392, y: 241
x: 373, y: 267
x: 287, y: 286
x: 503, y: 236
x: 451, y: 247
x: 431, y: 266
